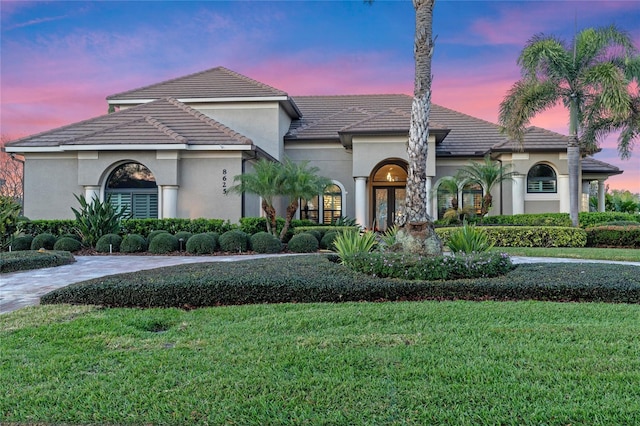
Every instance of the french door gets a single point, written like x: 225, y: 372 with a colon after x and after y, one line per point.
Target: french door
x: 389, y: 204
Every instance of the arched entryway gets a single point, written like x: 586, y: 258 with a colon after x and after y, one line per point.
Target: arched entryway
x: 388, y: 184
x: 134, y: 186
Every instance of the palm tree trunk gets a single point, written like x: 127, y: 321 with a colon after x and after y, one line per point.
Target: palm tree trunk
x: 573, y: 161
x: 271, y: 217
x: 418, y: 235
x: 292, y: 208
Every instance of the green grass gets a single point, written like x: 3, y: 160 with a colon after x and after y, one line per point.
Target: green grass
x: 415, y: 363
x: 620, y: 254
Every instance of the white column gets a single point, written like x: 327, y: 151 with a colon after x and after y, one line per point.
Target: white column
x: 429, y: 186
x: 90, y: 192
x: 517, y: 194
x: 563, y: 193
x: 361, y: 201
x: 601, y: 198
x: 169, y: 201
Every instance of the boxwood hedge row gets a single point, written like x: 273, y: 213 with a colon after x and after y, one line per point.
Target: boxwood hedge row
x: 313, y: 278
x: 24, y: 260
x: 528, y: 236
x: 613, y: 236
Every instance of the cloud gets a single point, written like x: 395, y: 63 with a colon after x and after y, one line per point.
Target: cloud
x: 35, y: 22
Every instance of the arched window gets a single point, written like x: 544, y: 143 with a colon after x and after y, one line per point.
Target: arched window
x: 541, y: 178
x: 326, y: 212
x: 133, y: 185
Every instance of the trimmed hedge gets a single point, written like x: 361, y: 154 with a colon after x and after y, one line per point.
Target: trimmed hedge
x: 613, y: 236
x: 328, y: 239
x: 306, y: 279
x: 590, y: 219
x: 22, y: 243
x: 325, y: 228
x: 25, y: 260
x: 303, y: 243
x: 67, y: 244
x: 585, y: 219
x: 44, y: 240
x: 205, y: 243
x: 172, y: 226
x: 109, y: 243
x: 263, y: 242
x: 133, y: 243
x: 164, y: 243
x: 527, y: 236
x: 55, y: 227
x: 234, y: 241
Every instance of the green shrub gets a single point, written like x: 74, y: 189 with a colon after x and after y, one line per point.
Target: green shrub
x: 22, y: 243
x: 164, y: 243
x: 620, y: 223
x: 412, y: 267
x: 613, y: 236
x: 174, y: 225
x: 216, y: 237
x: 527, y: 236
x: 313, y: 279
x: 154, y: 234
x: 133, y: 243
x: 326, y: 228
x: 185, y: 235
x: 590, y: 219
x: 45, y: 241
x: 316, y: 233
x: 468, y: 239
x: 25, y: 260
x: 263, y: 242
x: 9, y: 218
x: 109, y: 243
x: 328, y: 240
x: 351, y: 242
x: 71, y: 235
x: 529, y: 219
x: 303, y: 243
x: 67, y: 244
x: 54, y: 227
x: 97, y: 218
x: 204, y: 243
x: 234, y: 241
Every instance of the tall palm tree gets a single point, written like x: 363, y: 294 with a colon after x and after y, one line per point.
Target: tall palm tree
x: 420, y: 235
x: 487, y: 174
x: 589, y: 70
x: 266, y: 182
x: 299, y: 182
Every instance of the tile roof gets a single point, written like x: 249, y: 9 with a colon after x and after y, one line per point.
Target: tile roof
x: 591, y: 165
x: 213, y: 83
x: 164, y: 121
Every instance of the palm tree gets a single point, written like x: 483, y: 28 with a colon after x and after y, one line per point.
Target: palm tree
x: 266, y: 182
x: 601, y: 123
x: 420, y: 235
x: 299, y: 182
x: 487, y: 174
x: 589, y: 70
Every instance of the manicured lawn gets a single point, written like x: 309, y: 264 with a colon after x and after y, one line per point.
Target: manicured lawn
x: 629, y: 255
x: 352, y: 363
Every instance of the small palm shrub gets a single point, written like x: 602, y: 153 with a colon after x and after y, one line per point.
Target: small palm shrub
x: 133, y: 243
x: 22, y: 243
x: 263, y: 242
x: 234, y: 241
x: 154, y: 234
x: 303, y: 243
x: 327, y: 240
x: 97, y: 218
x: 109, y: 243
x: 351, y: 242
x: 164, y: 243
x: 44, y: 240
x: 469, y: 239
x: 204, y: 243
x: 67, y: 244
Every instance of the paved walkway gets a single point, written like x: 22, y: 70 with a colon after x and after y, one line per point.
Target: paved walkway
x: 24, y: 288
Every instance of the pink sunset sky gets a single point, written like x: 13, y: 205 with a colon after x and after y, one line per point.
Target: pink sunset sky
x: 61, y: 59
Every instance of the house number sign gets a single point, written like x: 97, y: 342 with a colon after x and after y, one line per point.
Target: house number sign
x: 224, y: 181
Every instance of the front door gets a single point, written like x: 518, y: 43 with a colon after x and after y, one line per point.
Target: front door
x: 389, y: 206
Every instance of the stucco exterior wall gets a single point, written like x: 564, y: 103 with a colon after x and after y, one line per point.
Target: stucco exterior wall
x: 50, y: 180
x: 262, y: 122
x: 94, y: 168
x: 369, y: 151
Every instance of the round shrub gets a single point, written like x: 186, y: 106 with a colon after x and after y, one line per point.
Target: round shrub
x: 303, y: 243
x: 327, y: 240
x: 163, y: 243
x: 22, y: 243
x: 234, y: 241
x: 109, y: 243
x: 67, y: 244
x: 153, y: 234
x: 44, y: 240
x: 315, y: 233
x: 185, y: 235
x: 133, y: 243
x: 263, y: 242
x: 204, y: 243
x: 216, y: 237
x: 74, y: 236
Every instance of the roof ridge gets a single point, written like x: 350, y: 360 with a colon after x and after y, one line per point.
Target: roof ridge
x: 352, y: 95
x: 251, y: 80
x: 103, y: 130
x: 394, y: 110
x: 165, y: 129
x: 328, y: 117
x: 210, y: 121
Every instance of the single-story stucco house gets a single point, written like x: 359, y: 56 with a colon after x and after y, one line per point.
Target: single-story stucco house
x: 171, y: 150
